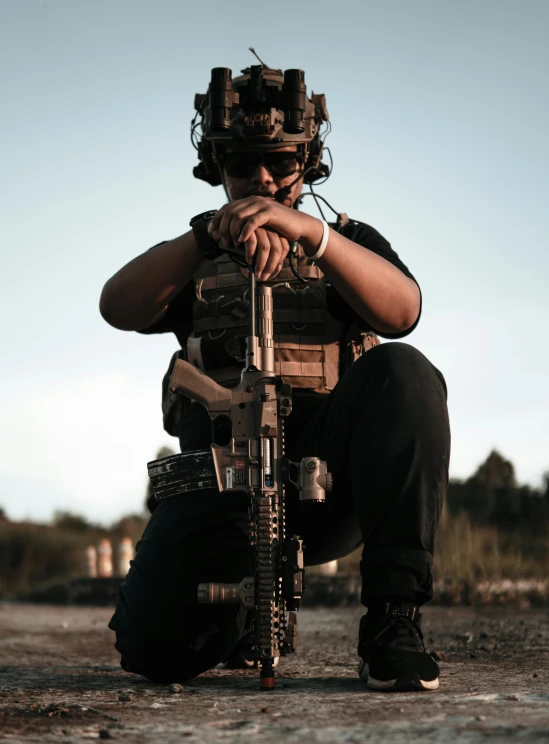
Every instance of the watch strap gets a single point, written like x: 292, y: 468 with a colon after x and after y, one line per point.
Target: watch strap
x: 207, y: 245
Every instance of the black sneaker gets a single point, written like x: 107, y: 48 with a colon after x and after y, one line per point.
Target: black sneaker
x: 392, y: 650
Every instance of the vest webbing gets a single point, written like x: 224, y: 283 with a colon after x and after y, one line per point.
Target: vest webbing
x: 312, y: 348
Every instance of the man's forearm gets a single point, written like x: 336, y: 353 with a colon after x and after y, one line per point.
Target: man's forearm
x: 380, y: 293
x: 142, y: 289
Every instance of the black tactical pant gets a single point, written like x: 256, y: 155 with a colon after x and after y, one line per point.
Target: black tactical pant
x: 384, y: 433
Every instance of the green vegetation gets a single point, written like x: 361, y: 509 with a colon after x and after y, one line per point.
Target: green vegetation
x: 494, y: 528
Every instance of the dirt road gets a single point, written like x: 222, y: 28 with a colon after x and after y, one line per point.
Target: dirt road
x: 60, y: 681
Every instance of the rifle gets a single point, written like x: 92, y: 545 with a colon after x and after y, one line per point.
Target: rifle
x: 252, y: 460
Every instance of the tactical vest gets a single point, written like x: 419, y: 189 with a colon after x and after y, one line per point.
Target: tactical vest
x: 312, y: 348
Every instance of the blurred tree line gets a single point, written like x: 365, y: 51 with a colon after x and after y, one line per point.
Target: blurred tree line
x: 35, y: 556
x: 491, y: 496
x: 492, y: 527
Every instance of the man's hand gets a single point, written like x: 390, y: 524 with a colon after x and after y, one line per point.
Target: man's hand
x: 264, y: 226
x: 378, y: 291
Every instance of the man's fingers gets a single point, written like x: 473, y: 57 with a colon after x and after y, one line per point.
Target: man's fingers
x: 246, y: 222
x: 285, y: 249
x: 268, y: 249
x: 257, y: 220
x: 250, y: 245
x: 262, y: 252
x: 230, y: 220
x: 224, y: 228
x: 273, y: 258
x: 237, y: 220
x: 235, y: 228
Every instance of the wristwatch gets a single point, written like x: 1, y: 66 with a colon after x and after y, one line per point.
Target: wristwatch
x: 207, y: 245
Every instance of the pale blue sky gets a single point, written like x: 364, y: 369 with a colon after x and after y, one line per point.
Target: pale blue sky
x: 440, y: 117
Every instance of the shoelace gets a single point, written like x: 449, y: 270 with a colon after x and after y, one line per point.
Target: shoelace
x: 406, y: 632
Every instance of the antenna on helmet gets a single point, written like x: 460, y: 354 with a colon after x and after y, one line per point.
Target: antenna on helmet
x: 252, y: 50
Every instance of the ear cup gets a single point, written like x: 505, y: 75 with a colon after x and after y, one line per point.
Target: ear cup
x: 207, y: 169
x: 321, y: 170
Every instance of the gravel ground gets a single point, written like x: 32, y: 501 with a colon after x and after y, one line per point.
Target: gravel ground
x: 60, y: 680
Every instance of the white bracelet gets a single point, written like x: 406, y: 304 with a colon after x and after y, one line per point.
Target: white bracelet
x: 323, y: 242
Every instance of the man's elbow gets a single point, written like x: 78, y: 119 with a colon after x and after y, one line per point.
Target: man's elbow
x: 408, y: 322
x: 110, y: 310
x: 411, y: 310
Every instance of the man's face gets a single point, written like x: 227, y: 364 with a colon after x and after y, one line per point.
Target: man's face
x: 251, y: 173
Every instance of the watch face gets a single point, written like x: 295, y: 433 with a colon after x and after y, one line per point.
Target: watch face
x: 202, y: 217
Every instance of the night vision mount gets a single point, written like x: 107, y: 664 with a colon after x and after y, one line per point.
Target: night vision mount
x: 261, y: 109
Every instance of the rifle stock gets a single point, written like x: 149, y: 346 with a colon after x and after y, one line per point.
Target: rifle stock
x: 187, y: 380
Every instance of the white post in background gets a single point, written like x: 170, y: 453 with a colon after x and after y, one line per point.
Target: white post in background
x: 328, y: 569
x: 125, y: 555
x: 90, y: 562
x: 104, y: 559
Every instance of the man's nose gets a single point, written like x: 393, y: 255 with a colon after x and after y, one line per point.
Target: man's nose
x: 261, y: 174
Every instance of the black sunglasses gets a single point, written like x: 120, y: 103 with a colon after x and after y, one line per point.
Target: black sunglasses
x: 244, y: 164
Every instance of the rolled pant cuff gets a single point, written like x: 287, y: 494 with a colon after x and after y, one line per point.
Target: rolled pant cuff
x: 397, y: 572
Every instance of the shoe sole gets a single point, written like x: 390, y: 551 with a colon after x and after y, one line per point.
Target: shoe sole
x: 411, y: 683
x: 242, y: 663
